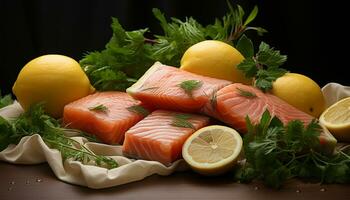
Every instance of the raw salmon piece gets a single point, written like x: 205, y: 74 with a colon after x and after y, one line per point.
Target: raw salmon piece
x: 155, y: 138
x: 234, y: 102
x: 160, y: 87
x: 108, y: 126
x: 233, y: 107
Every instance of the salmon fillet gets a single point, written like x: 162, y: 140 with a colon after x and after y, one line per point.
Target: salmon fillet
x: 160, y: 87
x: 109, y: 126
x: 234, y: 102
x: 155, y: 138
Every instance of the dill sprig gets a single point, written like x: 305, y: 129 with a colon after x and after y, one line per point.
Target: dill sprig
x: 189, y: 85
x: 35, y: 121
x: 99, y: 108
x: 181, y: 120
x: 246, y: 93
x: 140, y: 110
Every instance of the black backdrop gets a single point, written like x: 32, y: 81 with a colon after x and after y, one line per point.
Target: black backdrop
x: 311, y: 32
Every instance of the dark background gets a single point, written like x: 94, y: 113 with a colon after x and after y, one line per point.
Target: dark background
x: 312, y: 33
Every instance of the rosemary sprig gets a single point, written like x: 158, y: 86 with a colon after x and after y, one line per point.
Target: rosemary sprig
x: 181, y: 120
x: 138, y: 110
x: 189, y: 85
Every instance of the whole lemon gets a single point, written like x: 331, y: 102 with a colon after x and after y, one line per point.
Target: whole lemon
x: 214, y: 59
x: 55, y: 80
x: 301, y: 92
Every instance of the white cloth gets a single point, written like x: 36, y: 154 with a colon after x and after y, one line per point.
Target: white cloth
x: 32, y: 150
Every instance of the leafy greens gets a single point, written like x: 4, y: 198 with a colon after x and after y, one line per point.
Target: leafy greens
x: 128, y: 54
x: 276, y: 153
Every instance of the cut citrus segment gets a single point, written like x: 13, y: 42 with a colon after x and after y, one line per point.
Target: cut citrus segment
x: 337, y: 119
x: 213, y: 149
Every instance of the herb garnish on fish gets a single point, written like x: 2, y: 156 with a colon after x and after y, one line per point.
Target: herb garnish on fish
x: 99, y: 108
x: 190, y: 85
x: 138, y: 110
x: 181, y: 120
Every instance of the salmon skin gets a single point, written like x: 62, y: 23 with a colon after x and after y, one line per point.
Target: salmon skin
x: 157, y: 138
x: 233, y: 103
x: 110, y: 121
x: 161, y: 87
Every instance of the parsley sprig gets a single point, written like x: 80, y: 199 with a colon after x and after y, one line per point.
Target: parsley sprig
x: 276, y: 153
x: 35, y: 121
x: 264, y: 66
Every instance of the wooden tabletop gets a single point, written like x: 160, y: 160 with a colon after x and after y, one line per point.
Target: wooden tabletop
x: 39, y: 182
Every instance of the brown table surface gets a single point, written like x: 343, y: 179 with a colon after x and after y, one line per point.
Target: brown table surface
x: 39, y: 182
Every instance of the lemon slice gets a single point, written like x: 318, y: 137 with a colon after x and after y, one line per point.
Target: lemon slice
x: 337, y: 119
x: 212, y: 150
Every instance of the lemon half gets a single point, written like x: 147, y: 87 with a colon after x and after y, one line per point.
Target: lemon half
x: 337, y: 119
x: 212, y: 150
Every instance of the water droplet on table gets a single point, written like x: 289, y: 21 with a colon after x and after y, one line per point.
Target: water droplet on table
x: 12, y: 182
x: 39, y: 180
x: 298, y: 191
x: 322, y: 189
x: 27, y: 182
x: 256, y: 188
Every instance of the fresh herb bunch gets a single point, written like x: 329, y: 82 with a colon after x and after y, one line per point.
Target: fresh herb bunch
x: 264, y: 66
x: 5, y: 100
x: 129, y: 54
x: 35, y: 121
x: 276, y: 153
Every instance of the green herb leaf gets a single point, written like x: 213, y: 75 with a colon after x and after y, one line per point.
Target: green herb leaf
x: 6, y: 134
x: 5, y: 100
x: 140, y: 110
x: 251, y: 16
x: 190, y: 85
x: 181, y: 120
x: 264, y: 67
x: 245, y: 46
x: 246, y: 93
x: 270, y: 57
x: 99, y: 108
